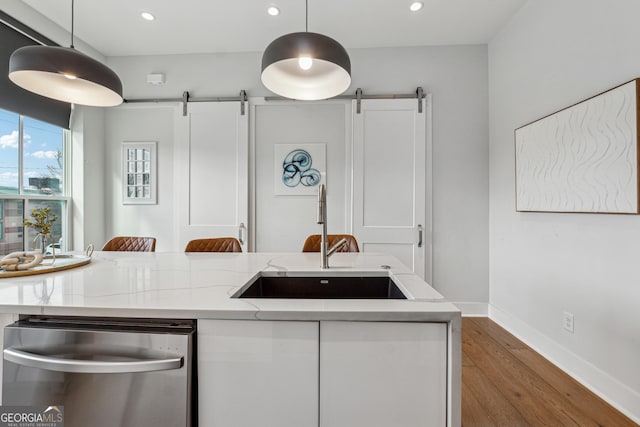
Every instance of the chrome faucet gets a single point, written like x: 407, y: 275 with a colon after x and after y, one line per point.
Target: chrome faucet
x: 325, y: 252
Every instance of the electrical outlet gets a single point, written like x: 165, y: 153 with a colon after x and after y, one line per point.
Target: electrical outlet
x: 567, y: 321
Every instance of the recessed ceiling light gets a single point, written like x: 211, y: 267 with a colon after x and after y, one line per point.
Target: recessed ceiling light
x: 147, y: 16
x: 416, y: 6
x: 273, y: 11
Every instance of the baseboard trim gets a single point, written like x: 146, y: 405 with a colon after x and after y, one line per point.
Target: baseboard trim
x: 617, y: 394
x: 473, y: 309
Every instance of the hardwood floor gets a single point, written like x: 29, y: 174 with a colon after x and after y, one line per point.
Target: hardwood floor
x: 506, y: 383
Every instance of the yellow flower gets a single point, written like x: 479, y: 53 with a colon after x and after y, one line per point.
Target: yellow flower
x: 43, y: 218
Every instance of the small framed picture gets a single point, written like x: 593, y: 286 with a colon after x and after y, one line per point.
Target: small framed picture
x: 299, y: 168
x: 139, y: 173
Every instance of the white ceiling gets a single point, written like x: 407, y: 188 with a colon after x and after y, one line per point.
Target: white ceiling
x: 114, y: 27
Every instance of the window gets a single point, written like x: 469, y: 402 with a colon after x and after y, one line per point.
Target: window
x: 9, y: 146
x: 32, y: 175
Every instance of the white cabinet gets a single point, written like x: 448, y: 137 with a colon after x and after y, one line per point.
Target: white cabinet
x: 383, y: 374
x: 257, y: 373
x: 344, y: 374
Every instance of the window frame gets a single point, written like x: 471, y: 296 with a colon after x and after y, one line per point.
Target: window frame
x: 28, y: 199
x: 1, y: 219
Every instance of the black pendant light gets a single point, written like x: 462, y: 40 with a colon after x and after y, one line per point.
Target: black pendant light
x: 306, y: 66
x: 65, y: 74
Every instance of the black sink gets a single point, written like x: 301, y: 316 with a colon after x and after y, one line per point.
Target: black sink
x: 343, y: 287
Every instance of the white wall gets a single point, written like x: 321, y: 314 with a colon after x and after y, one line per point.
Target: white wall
x: 87, y: 183
x: 140, y: 124
x: 552, y: 55
x: 283, y: 222
x: 455, y: 75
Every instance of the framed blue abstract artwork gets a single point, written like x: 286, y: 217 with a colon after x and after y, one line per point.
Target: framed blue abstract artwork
x: 299, y: 168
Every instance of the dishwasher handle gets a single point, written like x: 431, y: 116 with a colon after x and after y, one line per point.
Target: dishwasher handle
x: 90, y: 366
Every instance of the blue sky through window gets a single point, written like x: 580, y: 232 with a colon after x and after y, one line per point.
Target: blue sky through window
x: 42, y: 156
x: 9, y: 140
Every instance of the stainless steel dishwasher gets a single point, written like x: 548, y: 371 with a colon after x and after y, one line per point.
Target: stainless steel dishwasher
x: 104, y: 371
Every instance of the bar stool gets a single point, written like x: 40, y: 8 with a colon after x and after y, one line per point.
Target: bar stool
x: 218, y: 244
x: 312, y: 244
x: 131, y: 244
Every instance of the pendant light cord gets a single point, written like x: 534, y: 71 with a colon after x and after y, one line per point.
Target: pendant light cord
x: 306, y: 16
x: 72, y: 4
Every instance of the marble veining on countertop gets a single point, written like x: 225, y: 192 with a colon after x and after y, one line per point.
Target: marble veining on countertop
x: 200, y: 285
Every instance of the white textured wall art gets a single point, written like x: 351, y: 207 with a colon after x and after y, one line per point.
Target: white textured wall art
x: 583, y: 158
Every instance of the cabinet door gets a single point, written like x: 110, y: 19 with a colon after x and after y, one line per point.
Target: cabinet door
x: 381, y: 374
x: 257, y: 373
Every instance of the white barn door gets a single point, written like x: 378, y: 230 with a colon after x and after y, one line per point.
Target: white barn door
x: 390, y: 202
x: 211, y: 163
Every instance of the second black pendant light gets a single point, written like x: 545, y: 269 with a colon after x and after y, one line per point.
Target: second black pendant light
x: 306, y: 66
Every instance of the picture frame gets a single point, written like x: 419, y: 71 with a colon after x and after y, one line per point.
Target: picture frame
x: 582, y: 159
x: 299, y: 168
x: 139, y: 173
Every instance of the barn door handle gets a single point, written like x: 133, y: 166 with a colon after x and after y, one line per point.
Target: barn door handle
x: 241, y: 229
x: 419, y: 235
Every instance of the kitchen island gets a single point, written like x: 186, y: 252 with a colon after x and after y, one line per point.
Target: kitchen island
x: 281, y: 362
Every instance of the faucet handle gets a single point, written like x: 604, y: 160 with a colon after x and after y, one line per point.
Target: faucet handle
x: 340, y: 243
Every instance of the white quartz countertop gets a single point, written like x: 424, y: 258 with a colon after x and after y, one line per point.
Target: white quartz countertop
x: 200, y: 285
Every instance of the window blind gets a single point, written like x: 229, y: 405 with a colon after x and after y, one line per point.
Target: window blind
x: 14, y: 35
